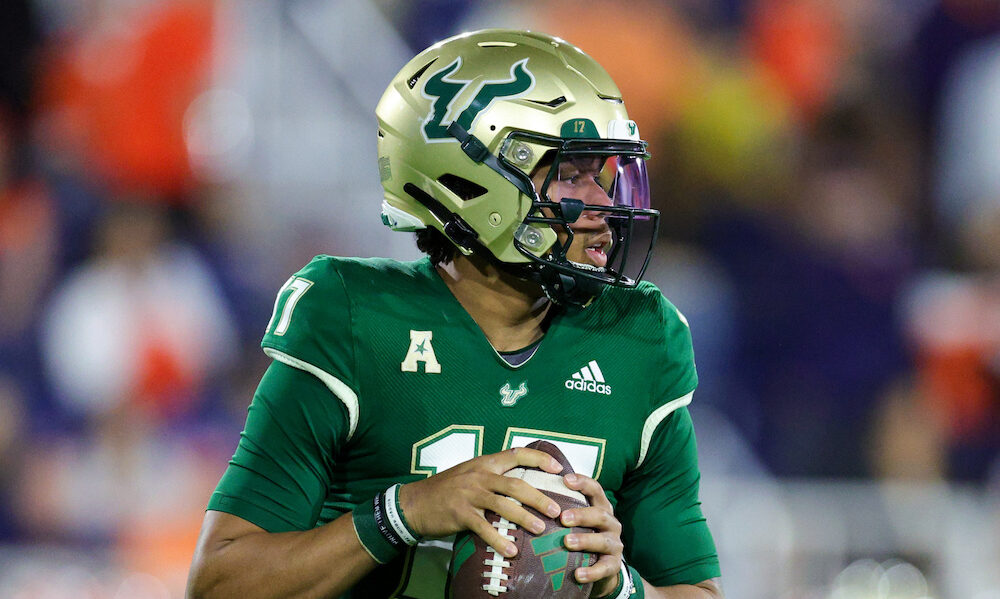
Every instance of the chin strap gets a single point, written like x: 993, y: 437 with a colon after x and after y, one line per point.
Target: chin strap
x: 561, y: 288
x: 568, y: 290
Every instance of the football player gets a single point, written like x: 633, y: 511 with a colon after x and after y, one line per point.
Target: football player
x: 399, y: 393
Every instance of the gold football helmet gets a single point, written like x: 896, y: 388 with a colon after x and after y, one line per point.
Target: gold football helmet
x: 499, y: 139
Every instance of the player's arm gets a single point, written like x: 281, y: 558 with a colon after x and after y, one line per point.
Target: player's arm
x: 706, y: 589
x: 606, y: 573
x: 657, y: 525
x: 236, y: 558
x: 258, y: 537
x: 666, y: 536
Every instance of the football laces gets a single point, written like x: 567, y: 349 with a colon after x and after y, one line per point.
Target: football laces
x: 495, y: 576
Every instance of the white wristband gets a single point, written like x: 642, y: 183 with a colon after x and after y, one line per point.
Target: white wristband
x: 395, y: 516
x: 628, y: 585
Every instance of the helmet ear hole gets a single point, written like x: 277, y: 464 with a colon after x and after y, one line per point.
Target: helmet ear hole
x: 462, y: 187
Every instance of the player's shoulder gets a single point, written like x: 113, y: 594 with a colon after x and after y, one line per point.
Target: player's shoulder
x: 339, y: 280
x: 641, y: 306
x: 348, y: 270
x: 324, y: 298
x: 316, y: 310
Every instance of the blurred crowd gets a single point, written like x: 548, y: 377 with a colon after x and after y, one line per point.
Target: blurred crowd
x: 828, y: 172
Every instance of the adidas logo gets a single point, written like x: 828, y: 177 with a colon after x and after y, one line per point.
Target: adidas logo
x: 590, y: 378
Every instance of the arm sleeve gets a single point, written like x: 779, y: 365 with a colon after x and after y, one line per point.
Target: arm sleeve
x: 677, y: 374
x: 281, y: 471
x: 665, y: 534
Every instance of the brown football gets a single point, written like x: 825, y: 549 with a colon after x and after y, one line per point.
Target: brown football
x: 543, y: 568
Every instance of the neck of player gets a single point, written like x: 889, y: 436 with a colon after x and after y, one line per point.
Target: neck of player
x: 510, y: 311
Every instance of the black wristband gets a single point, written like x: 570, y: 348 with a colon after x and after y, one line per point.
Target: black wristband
x: 381, y: 526
x: 382, y: 521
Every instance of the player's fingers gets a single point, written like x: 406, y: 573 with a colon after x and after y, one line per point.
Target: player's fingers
x: 594, y: 542
x: 522, y: 456
x: 592, y: 517
x: 589, y: 487
x: 513, y: 512
x: 491, y: 536
x: 606, y: 565
x: 527, y: 495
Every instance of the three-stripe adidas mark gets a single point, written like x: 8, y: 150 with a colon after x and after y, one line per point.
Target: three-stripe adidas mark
x: 590, y: 378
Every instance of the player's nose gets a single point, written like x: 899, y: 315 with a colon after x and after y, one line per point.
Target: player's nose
x: 594, y: 195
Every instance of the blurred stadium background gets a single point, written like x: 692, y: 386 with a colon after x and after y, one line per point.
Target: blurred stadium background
x: 829, y: 171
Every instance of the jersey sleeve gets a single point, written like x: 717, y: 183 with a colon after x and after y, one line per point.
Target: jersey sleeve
x: 677, y: 376
x: 665, y: 534
x: 311, y: 329
x: 281, y: 471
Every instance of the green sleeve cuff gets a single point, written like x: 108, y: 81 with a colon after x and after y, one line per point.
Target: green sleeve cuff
x: 704, y: 569
x: 250, y: 512
x: 368, y: 533
x: 638, y: 591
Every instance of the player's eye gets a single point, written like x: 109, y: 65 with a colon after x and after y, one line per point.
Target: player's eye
x: 582, y: 178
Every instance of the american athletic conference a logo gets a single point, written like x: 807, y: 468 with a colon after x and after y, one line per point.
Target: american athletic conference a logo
x: 444, y: 92
x: 589, y: 378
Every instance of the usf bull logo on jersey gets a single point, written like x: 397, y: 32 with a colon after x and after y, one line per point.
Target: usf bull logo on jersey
x: 510, y: 396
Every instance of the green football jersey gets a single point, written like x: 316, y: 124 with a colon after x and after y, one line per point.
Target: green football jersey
x: 380, y: 376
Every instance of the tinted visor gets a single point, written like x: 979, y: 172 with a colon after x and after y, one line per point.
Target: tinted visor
x: 622, y: 179
x: 595, y: 196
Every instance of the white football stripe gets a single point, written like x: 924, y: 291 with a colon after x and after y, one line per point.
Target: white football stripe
x: 544, y: 481
x: 586, y: 374
x: 597, y: 371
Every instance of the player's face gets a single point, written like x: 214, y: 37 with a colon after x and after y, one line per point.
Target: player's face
x: 583, y: 178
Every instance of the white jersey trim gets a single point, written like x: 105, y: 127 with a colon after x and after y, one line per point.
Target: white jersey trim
x: 344, y: 393
x: 654, y: 420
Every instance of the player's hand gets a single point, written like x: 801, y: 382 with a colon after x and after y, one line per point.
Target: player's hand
x: 606, y: 539
x: 456, y: 499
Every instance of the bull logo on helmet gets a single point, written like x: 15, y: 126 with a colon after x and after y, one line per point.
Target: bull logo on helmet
x: 444, y: 90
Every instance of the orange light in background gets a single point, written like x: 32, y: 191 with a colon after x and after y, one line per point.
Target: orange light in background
x: 647, y: 51
x: 801, y: 44
x: 960, y: 393
x: 121, y: 91
x: 161, y: 546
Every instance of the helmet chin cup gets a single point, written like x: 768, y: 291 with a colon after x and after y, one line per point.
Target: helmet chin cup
x: 568, y: 289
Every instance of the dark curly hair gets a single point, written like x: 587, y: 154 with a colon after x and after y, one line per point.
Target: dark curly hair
x: 439, y: 248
